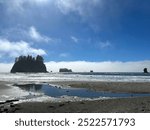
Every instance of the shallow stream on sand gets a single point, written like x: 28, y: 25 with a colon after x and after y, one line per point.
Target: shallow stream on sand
x: 57, y: 91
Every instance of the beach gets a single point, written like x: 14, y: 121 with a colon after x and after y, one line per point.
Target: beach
x: 113, y: 105
x: 127, y: 105
x: 129, y: 87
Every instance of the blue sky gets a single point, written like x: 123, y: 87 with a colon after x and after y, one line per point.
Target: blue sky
x: 75, y: 30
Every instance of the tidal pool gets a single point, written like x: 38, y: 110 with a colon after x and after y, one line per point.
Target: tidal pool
x: 56, y: 91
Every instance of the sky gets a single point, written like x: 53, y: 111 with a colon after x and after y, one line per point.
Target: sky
x: 102, y: 35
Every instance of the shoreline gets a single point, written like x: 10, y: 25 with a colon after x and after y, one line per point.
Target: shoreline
x: 118, y: 105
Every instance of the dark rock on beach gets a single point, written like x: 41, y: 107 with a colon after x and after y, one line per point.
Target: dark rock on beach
x: 8, y: 106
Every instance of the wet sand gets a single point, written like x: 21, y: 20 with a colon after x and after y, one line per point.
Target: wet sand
x: 124, y: 87
x: 122, y: 105
x: 126, y: 105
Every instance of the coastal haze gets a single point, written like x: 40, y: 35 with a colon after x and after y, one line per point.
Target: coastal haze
x: 84, y: 66
x: 88, y: 52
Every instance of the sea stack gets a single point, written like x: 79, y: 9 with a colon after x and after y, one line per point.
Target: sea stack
x: 29, y: 64
x: 145, y: 70
x: 65, y: 70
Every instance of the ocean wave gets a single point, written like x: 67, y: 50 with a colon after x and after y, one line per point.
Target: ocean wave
x: 50, y: 77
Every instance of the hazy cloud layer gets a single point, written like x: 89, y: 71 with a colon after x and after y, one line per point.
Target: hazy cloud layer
x: 83, y: 66
x: 99, y: 14
x: 108, y: 66
x: 5, y: 67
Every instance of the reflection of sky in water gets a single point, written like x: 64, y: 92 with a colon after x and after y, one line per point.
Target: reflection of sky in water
x: 79, y: 92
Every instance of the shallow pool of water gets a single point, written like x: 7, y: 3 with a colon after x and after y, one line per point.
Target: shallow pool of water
x: 55, y: 91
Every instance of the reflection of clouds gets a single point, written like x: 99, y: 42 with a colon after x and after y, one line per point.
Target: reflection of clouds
x: 30, y: 87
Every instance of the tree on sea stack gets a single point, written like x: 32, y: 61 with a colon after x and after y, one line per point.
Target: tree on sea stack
x: 29, y: 64
x: 39, y: 58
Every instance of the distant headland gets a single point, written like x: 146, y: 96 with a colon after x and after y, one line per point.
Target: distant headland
x: 29, y: 64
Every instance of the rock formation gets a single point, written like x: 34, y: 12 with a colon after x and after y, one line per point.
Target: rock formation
x: 29, y: 64
x: 145, y: 70
x: 65, y: 70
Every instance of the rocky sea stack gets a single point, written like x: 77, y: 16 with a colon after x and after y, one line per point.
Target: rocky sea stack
x: 145, y: 70
x: 29, y: 64
x: 65, y: 70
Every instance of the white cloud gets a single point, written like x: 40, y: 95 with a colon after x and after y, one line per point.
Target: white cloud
x: 41, y: 1
x: 13, y: 49
x: 97, y: 14
x: 63, y: 55
x: 65, y: 6
x: 74, y: 39
x: 35, y: 35
x: 107, y: 66
x: 79, y: 6
x: 24, y: 33
x: 103, y: 45
x: 20, y: 3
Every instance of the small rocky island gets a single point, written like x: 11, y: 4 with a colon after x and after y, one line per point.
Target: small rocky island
x: 65, y: 70
x: 29, y: 64
x: 145, y: 70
